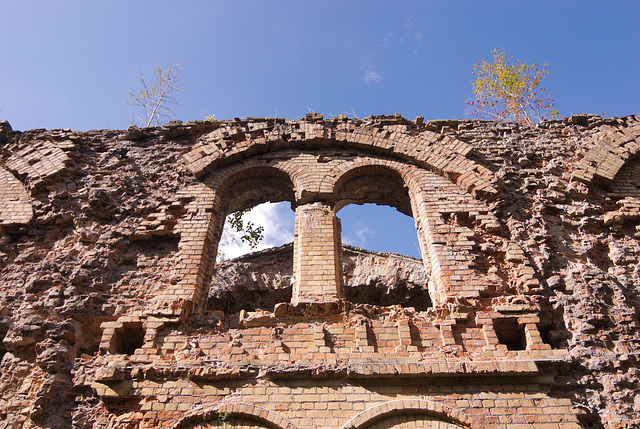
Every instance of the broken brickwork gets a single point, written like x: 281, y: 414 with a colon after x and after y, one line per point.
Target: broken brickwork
x: 522, y: 313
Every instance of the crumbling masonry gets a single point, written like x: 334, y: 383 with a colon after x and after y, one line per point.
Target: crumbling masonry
x: 523, y: 312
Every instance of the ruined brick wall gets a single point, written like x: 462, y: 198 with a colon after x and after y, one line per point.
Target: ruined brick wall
x: 522, y: 313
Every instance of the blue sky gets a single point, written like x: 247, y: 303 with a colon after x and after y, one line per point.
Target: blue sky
x: 72, y: 64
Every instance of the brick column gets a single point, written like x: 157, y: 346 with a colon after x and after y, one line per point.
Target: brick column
x: 532, y: 333
x: 317, y: 255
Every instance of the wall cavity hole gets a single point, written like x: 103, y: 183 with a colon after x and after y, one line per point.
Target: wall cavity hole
x: 128, y: 338
x: 4, y: 328
x: 510, y: 333
x: 122, y: 404
x: 553, y: 336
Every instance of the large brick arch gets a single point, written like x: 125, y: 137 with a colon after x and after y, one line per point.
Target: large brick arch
x: 383, y: 181
x: 443, y: 154
x: 614, y: 148
x: 335, y: 364
x: 261, y: 182
x: 252, y: 416
x: 310, y: 168
x: 436, y: 411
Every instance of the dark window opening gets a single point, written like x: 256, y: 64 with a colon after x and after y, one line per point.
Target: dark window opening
x: 372, y: 339
x: 330, y: 340
x: 128, y: 338
x: 122, y: 404
x: 510, y: 333
x: 3, y: 332
x: 553, y: 336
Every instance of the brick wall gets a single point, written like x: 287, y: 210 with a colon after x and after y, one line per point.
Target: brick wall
x: 524, y: 331
x: 368, y: 363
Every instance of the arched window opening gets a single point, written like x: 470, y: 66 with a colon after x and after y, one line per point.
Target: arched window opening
x: 369, y: 196
x: 390, y: 270
x: 380, y: 229
x: 276, y: 221
x: 248, y: 278
x: 248, y: 284
x: 376, y: 213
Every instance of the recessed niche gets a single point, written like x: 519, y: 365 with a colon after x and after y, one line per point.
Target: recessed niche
x: 127, y: 339
x: 510, y: 333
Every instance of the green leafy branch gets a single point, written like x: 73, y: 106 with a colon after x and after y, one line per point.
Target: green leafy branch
x: 249, y: 233
x: 223, y: 418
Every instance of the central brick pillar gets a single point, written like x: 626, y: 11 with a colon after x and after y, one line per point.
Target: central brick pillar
x: 317, y: 255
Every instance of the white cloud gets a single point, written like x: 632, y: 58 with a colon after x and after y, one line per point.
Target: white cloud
x: 277, y: 220
x: 371, y: 76
x: 408, y: 23
x: 362, y: 234
x: 416, y: 54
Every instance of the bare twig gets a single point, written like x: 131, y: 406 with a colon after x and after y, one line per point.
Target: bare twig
x: 156, y: 100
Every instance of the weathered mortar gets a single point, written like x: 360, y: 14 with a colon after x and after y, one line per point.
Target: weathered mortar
x: 530, y: 246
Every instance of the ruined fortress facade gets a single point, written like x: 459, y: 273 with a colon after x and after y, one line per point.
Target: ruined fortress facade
x: 522, y: 313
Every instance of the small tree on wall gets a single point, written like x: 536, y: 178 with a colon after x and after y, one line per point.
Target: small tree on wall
x: 509, y: 90
x: 158, y: 99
